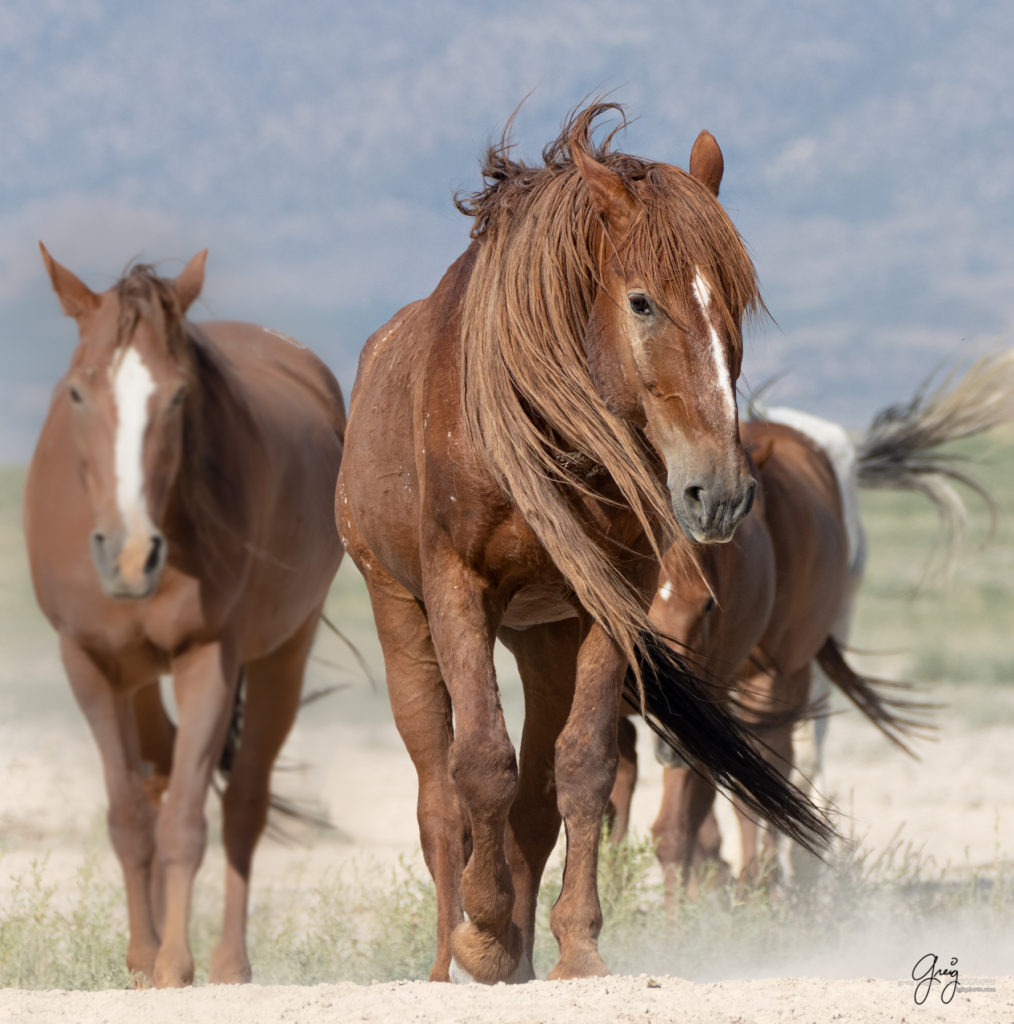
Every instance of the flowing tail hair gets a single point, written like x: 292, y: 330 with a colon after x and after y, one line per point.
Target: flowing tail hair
x: 898, y: 718
x: 901, y: 449
x: 691, y: 715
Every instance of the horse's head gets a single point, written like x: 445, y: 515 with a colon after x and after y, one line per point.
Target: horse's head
x: 664, y: 341
x: 124, y: 393
x: 683, y: 608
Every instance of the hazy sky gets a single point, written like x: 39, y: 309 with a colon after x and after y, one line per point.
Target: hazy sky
x: 314, y: 147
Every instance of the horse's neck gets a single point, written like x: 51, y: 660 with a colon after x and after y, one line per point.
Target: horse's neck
x: 221, y: 436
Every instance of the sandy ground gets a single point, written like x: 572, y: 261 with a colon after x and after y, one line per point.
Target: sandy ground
x: 627, y: 1000
x: 956, y: 805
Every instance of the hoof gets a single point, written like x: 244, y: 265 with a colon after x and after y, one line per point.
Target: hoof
x: 173, y: 971
x: 141, y: 964
x: 227, y: 969
x: 584, y: 965
x: 480, y: 957
x: 522, y: 973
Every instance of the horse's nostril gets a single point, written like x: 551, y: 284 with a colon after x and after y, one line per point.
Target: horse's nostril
x: 154, y: 555
x: 694, y: 495
x: 748, y: 500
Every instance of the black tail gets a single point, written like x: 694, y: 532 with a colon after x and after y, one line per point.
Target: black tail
x: 278, y: 806
x: 901, y: 448
x: 691, y: 716
x: 897, y: 718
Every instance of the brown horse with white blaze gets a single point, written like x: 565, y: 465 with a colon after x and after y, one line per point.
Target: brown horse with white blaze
x: 518, y: 445
x: 177, y: 514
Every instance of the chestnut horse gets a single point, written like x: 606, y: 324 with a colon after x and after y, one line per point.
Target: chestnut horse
x: 178, y: 519
x: 717, y: 618
x: 773, y: 592
x: 518, y: 445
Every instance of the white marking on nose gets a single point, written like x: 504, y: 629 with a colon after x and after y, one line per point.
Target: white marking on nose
x: 133, y: 385
x: 723, y: 379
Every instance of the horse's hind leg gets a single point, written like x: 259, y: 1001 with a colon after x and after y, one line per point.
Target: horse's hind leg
x: 422, y: 713
x: 156, y: 734
x: 273, y: 688
x: 546, y: 657
x: 771, y: 693
x: 622, y: 796
x: 131, y: 813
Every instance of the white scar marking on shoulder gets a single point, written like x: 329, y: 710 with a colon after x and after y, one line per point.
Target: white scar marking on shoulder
x: 283, y: 337
x: 132, y: 387
x: 724, y: 381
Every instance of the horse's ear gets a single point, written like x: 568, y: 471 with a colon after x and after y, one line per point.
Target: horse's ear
x: 760, y: 455
x: 706, y: 162
x: 76, y: 298
x: 191, y: 280
x: 610, y: 198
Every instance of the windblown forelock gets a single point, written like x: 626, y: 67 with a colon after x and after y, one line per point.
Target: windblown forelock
x: 144, y: 295
x: 531, y: 411
x: 205, y: 484
x: 681, y: 229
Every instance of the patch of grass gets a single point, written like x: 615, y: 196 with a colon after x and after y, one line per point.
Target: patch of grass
x: 45, y: 947
x: 379, y: 924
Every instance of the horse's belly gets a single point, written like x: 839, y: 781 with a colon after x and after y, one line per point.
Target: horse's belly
x: 538, y: 604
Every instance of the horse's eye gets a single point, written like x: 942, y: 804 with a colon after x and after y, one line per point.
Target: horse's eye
x: 640, y: 303
x: 75, y: 395
x: 177, y: 397
x: 709, y: 605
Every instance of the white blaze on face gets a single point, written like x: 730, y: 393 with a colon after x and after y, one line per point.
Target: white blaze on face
x: 132, y: 385
x: 723, y: 379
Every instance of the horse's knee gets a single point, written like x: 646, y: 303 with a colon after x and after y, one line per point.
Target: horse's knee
x: 485, y: 771
x: 181, y: 835
x: 131, y: 820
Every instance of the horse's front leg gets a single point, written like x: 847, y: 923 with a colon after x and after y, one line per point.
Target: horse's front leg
x: 273, y: 688
x: 486, y: 947
x: 205, y: 679
x: 425, y: 721
x: 131, y: 814
x: 586, y: 756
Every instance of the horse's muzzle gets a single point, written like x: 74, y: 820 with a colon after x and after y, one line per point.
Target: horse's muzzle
x: 709, y: 514
x: 129, y: 567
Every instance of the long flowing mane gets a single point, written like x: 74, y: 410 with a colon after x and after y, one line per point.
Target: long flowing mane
x: 204, y: 483
x: 530, y: 406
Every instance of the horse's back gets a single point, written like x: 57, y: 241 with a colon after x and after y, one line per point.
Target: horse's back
x: 838, y: 446
x: 299, y: 412
x: 282, y: 377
